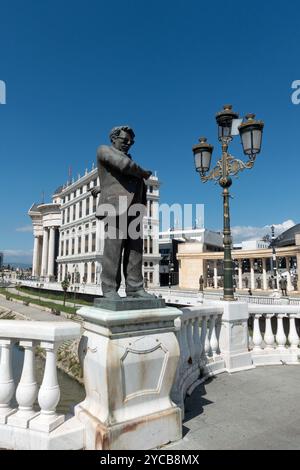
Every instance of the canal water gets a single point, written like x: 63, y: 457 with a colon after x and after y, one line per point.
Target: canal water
x: 71, y: 392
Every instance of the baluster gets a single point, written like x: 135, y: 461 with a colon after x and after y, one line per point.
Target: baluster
x: 197, y: 341
x: 7, y: 386
x: 179, y: 338
x: 27, y: 389
x: 49, y: 394
x: 269, y: 338
x: 293, y: 335
x: 257, y: 337
x: 280, y: 336
x: 191, y: 358
x: 207, y: 341
x: 203, y: 338
x: 185, y: 347
x: 213, y: 338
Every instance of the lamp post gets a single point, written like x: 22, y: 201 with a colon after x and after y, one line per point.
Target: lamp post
x: 274, y: 261
x: 250, y: 132
x: 171, y: 270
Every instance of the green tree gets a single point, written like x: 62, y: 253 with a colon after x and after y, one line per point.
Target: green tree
x: 65, y: 286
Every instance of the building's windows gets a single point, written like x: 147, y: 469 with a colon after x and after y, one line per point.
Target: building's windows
x: 151, y: 278
x: 68, y: 215
x: 93, y: 273
x: 85, y: 272
x: 87, y: 207
x: 67, y: 248
x: 95, y: 182
x: 94, y: 223
x: 73, y: 246
x: 151, y: 209
x: 145, y: 245
x: 74, y: 212
x: 150, y: 245
x: 63, y: 200
x: 81, y: 189
x: 63, y: 218
x: 93, y: 242
x: 86, y: 225
x: 86, y: 244
x: 94, y: 204
x: 151, y: 264
x: 79, y: 245
x: 61, y: 248
x: 145, y: 264
x: 80, y: 209
x: 151, y: 189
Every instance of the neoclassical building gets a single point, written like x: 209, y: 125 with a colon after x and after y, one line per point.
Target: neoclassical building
x: 68, y: 238
x: 194, y: 260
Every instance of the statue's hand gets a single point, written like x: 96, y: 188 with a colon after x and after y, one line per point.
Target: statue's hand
x: 95, y: 192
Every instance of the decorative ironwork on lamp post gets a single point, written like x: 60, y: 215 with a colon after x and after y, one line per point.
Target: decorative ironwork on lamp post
x: 250, y: 132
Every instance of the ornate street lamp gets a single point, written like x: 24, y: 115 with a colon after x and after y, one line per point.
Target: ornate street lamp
x: 250, y: 132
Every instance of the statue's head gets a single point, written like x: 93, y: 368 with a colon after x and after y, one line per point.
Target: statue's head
x: 122, y: 138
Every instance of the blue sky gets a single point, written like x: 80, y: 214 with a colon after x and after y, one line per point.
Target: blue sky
x: 75, y: 69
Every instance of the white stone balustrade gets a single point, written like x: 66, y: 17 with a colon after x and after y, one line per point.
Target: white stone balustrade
x: 26, y: 427
x: 198, y: 338
x: 275, y: 339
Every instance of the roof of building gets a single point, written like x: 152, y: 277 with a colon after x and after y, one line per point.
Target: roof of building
x: 58, y: 190
x: 287, y: 238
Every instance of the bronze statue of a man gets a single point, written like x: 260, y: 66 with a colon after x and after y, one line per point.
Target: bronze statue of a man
x: 122, y: 187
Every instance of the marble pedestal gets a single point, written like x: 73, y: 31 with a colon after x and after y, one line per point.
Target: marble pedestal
x: 129, y: 361
x: 234, y: 340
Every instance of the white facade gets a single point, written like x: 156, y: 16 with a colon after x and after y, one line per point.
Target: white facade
x: 251, y: 245
x: 207, y: 237
x: 69, y: 241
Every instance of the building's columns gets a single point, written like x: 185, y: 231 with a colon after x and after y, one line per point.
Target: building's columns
x: 252, y: 273
x: 45, y: 252
x: 298, y: 269
x: 35, y: 258
x: 264, y: 267
x: 289, y: 280
x: 240, y: 273
x: 51, y: 256
x: 216, y: 274
x: 98, y: 235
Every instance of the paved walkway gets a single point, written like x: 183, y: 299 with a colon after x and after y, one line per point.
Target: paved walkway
x: 257, y: 409
x: 32, y: 313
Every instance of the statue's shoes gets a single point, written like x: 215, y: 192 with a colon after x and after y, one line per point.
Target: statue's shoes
x: 112, y: 295
x: 140, y: 294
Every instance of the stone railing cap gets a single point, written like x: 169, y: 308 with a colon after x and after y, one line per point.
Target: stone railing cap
x: 39, y: 330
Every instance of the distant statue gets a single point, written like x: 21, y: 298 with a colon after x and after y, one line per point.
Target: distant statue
x: 258, y: 283
x: 270, y: 282
x: 201, y: 284
x: 246, y: 281
x: 283, y: 286
x: 122, y: 196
